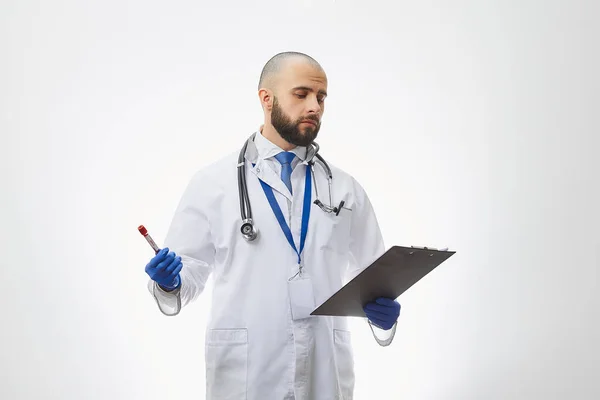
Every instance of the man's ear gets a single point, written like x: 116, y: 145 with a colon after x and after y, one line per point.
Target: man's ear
x: 266, y: 98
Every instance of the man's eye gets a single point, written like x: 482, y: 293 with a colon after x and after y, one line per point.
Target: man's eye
x: 301, y: 96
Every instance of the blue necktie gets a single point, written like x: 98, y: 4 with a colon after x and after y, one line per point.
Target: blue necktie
x: 285, y: 159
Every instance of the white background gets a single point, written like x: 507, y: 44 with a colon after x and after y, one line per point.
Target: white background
x: 471, y: 124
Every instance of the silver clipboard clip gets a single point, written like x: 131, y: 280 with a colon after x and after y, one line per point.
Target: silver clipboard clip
x: 427, y: 248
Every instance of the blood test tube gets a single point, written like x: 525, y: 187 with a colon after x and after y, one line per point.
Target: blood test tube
x: 144, y: 233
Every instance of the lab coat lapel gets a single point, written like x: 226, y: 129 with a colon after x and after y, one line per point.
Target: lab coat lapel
x: 265, y: 173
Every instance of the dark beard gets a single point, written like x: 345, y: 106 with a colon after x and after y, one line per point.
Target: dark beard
x: 290, y: 130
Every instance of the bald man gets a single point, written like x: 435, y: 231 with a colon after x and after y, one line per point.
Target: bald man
x: 311, y: 235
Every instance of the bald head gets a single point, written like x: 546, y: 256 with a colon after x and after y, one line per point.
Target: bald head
x: 277, y: 64
x: 292, y: 91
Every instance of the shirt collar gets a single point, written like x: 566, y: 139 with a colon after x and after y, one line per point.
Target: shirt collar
x: 267, y: 149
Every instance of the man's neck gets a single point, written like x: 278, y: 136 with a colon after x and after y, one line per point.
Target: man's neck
x: 269, y: 132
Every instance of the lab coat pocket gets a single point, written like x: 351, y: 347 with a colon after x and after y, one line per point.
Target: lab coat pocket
x: 334, y: 231
x: 226, y: 355
x: 344, y: 360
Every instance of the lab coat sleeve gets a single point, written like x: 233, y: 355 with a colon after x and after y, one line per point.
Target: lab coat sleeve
x: 366, y: 245
x: 189, y: 236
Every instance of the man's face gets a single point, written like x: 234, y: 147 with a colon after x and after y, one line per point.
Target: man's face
x: 297, y: 111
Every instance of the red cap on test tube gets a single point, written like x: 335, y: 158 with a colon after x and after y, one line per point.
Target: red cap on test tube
x: 144, y: 233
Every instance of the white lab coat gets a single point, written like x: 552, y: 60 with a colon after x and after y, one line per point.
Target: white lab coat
x: 253, y: 348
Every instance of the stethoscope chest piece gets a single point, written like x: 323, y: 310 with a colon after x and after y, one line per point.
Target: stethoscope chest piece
x: 249, y: 231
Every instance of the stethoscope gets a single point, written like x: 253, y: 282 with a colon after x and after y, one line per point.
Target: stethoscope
x: 248, y: 228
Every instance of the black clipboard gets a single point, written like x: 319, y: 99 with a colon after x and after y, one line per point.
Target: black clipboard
x: 389, y: 276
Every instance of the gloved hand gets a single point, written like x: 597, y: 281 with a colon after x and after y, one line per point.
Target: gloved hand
x: 383, y: 312
x: 164, y: 269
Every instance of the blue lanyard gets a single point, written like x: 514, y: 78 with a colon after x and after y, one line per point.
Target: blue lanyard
x: 305, y: 212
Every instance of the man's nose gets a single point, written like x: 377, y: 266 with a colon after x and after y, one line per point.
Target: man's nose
x: 314, y: 107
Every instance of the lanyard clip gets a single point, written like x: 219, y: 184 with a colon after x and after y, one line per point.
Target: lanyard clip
x: 299, y: 273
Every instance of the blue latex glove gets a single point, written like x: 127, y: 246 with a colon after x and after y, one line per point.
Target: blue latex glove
x: 383, y: 312
x: 164, y: 269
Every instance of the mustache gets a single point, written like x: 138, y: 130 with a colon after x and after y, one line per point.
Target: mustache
x: 315, y: 119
